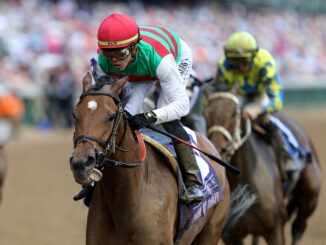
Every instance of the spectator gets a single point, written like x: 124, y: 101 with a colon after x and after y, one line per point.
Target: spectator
x: 39, y: 35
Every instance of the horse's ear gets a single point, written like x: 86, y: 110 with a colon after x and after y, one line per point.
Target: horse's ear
x: 118, y: 85
x: 87, y: 81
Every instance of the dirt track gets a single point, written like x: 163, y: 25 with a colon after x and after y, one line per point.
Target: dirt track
x: 38, y: 209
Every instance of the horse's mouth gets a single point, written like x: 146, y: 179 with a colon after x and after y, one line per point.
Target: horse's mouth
x: 82, y: 167
x: 87, y: 177
x: 82, y: 177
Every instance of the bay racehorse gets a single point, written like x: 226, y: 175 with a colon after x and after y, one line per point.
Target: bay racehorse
x: 136, y: 201
x: 244, y: 148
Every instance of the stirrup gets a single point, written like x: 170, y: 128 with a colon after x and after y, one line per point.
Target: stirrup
x: 193, y: 194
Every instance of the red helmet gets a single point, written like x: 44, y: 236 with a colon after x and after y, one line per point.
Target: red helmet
x: 117, y: 31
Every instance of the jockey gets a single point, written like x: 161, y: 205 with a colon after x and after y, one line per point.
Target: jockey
x: 149, y: 54
x: 259, y: 86
x: 195, y: 119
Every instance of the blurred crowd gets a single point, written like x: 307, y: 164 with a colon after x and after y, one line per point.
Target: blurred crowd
x: 45, y: 46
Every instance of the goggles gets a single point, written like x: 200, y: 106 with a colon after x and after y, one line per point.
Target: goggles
x: 240, y: 61
x: 240, y: 53
x: 119, y: 54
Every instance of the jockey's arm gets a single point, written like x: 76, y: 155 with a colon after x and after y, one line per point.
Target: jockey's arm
x: 274, y: 90
x: 173, y: 91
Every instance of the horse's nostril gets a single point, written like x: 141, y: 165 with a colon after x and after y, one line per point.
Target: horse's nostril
x: 76, y: 166
x: 81, y: 163
x: 90, y: 161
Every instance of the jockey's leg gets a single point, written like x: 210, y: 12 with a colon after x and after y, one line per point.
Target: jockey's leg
x: 276, y: 140
x: 187, y: 162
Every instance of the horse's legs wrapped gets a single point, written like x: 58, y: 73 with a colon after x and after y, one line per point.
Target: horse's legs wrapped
x: 187, y: 162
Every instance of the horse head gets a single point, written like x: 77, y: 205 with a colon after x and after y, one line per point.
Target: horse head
x: 97, y: 117
x: 223, y: 116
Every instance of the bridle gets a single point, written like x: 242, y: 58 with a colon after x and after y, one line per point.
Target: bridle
x: 110, y: 144
x: 235, y: 140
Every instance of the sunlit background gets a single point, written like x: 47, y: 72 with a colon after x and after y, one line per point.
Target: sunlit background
x: 45, y: 48
x: 38, y: 37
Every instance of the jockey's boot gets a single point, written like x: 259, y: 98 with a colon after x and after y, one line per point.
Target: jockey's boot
x: 282, y: 155
x: 191, y: 172
x: 187, y: 163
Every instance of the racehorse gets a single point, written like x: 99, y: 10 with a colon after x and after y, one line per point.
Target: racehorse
x: 247, y: 150
x: 136, y: 201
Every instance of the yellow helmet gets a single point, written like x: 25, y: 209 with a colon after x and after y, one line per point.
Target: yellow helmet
x: 240, y: 45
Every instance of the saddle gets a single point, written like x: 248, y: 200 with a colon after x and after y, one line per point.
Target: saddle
x: 167, y: 154
x: 295, y: 149
x: 297, y: 155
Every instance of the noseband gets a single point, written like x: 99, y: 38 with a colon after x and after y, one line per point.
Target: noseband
x: 110, y: 143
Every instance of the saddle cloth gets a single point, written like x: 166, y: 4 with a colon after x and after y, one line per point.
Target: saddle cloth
x: 294, y: 148
x: 211, y: 185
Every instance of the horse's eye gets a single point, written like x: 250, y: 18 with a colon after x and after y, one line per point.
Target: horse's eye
x: 110, y: 118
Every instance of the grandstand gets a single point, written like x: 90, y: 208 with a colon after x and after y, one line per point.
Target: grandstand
x: 38, y: 36
x: 306, y: 7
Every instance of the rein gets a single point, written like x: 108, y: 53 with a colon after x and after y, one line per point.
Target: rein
x: 110, y: 144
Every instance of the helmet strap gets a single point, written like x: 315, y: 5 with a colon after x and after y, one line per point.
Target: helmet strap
x: 134, y: 50
x: 256, y: 51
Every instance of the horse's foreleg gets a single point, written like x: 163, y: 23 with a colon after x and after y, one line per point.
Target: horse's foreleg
x: 234, y: 240
x: 309, y: 184
x: 276, y: 236
x: 255, y: 240
x: 298, y: 227
x: 305, y: 209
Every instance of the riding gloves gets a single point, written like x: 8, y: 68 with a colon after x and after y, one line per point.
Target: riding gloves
x: 142, y: 120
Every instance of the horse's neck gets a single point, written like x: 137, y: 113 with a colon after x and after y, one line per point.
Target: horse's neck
x: 129, y: 152
x: 122, y: 184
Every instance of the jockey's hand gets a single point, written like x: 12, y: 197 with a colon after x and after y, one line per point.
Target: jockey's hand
x: 251, y: 112
x: 142, y: 120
